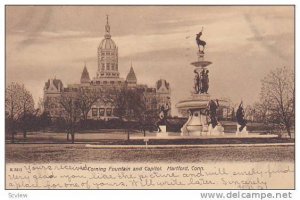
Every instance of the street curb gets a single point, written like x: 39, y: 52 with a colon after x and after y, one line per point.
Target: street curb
x: 184, y: 146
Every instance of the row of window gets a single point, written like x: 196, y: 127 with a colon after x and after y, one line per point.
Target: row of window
x: 101, y: 112
x: 106, y: 82
x: 109, y: 74
x: 108, y: 53
x: 109, y: 66
x: 102, y: 58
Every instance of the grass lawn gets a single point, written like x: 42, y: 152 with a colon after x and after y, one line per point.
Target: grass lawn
x: 48, y: 153
x: 53, y: 147
x: 114, y: 137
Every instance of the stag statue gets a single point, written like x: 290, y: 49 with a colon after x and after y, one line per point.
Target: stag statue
x: 200, y: 42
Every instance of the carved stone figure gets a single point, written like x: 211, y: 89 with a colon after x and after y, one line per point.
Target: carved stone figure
x: 201, y: 81
x: 196, y: 82
x: 204, y: 80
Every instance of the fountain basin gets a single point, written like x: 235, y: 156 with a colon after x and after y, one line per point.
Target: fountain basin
x: 198, y: 101
x: 197, y: 123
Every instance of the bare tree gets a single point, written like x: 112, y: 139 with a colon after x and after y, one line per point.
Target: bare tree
x: 88, y: 97
x: 130, y: 106
x: 40, y: 106
x: 27, y: 109
x: 70, y: 103
x: 278, y: 97
x: 18, y: 103
x: 260, y: 112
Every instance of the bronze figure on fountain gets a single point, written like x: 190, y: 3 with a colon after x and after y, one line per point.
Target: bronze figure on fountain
x: 212, y: 109
x: 240, y: 117
x: 200, y: 42
x: 201, y: 82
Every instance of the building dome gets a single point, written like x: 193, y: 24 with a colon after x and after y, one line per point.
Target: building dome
x: 107, y: 56
x: 107, y: 44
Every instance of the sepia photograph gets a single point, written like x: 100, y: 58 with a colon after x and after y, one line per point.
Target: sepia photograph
x: 149, y: 97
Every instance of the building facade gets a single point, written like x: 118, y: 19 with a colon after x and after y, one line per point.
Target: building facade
x: 107, y: 77
x: 52, y: 93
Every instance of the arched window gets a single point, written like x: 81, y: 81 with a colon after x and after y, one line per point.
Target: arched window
x: 101, y: 112
x: 94, y: 112
x: 108, y: 112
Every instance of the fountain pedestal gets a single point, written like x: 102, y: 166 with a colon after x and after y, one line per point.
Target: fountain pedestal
x: 198, y: 121
x: 243, y: 132
x: 163, y: 132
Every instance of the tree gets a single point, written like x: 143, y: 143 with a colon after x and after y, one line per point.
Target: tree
x: 70, y: 103
x: 130, y: 106
x: 27, y: 104
x: 250, y: 112
x: 149, y: 120
x: 88, y: 96
x: 40, y: 106
x: 44, y: 120
x: 43, y: 116
x: 18, y: 104
x: 260, y: 112
x: 278, y: 97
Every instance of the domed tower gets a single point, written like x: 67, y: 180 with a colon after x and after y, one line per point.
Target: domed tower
x: 107, y: 56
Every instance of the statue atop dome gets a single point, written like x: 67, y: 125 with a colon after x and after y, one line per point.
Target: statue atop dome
x: 107, y: 28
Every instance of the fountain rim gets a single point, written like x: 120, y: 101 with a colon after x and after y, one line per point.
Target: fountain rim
x: 198, y: 103
x: 201, y: 63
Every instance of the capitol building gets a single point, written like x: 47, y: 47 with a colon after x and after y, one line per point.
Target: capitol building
x: 107, y: 76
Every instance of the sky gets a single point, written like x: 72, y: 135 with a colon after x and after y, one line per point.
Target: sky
x: 244, y: 43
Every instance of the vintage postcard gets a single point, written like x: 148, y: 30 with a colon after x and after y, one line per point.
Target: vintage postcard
x: 149, y: 97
